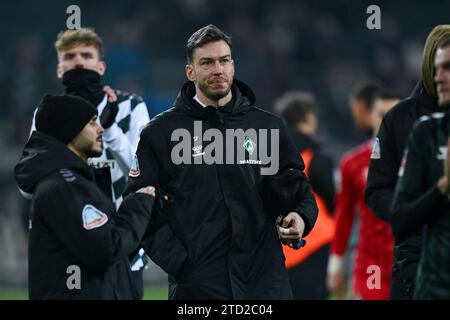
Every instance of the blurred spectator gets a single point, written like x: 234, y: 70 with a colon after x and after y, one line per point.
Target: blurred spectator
x: 298, y: 110
x: 375, y: 240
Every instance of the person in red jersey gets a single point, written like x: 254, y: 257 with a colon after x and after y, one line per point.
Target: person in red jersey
x: 373, y: 261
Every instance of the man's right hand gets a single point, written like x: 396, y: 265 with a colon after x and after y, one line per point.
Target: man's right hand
x: 147, y: 190
x: 291, y: 229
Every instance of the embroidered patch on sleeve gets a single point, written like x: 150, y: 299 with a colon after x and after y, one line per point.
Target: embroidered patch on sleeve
x: 93, y: 218
x: 134, y: 170
x: 376, y: 152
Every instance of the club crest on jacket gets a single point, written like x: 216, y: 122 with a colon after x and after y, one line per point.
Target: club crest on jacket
x: 227, y: 147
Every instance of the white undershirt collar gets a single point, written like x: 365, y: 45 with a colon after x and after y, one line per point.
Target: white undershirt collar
x: 198, y: 100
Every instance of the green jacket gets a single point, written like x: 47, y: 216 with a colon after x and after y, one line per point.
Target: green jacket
x: 419, y: 204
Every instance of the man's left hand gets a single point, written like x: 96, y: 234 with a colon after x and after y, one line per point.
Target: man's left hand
x: 109, y: 114
x: 112, y: 97
x: 291, y: 229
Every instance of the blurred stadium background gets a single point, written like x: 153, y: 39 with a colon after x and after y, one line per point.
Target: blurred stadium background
x: 318, y: 45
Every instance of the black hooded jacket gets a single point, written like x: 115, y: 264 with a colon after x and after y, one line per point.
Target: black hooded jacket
x: 383, y: 172
x: 216, y: 236
x: 74, y: 226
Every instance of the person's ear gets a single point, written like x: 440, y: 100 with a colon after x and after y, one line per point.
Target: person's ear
x: 101, y: 68
x: 59, y: 71
x: 190, y: 73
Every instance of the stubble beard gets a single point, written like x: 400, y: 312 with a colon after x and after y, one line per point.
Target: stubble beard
x: 92, y: 152
x: 444, y: 104
x: 214, y: 96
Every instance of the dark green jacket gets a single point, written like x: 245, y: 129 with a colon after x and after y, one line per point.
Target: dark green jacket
x: 418, y: 204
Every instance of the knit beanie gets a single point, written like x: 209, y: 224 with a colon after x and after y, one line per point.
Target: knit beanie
x: 63, y: 117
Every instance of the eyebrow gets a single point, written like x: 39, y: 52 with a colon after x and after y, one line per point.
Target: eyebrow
x: 84, y: 53
x: 210, y: 58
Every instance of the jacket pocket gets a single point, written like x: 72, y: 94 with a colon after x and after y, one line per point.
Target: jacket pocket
x: 167, y: 251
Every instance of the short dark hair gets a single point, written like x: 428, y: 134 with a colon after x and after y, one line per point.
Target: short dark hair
x: 366, y: 91
x: 294, y: 106
x: 207, y: 34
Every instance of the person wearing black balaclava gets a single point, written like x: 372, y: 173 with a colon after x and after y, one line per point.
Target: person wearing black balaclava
x: 80, y: 68
x: 78, y: 244
x: 87, y: 84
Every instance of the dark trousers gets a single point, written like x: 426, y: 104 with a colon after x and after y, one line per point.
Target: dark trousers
x: 399, y: 290
x: 137, y: 277
x: 308, y: 279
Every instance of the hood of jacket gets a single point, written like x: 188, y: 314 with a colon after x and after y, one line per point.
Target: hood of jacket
x: 421, y: 96
x: 243, y: 100
x: 42, y: 156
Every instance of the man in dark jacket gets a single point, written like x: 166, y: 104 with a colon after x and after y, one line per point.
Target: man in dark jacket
x: 385, y: 162
x: 298, y: 110
x: 216, y: 237
x: 421, y: 198
x: 78, y: 246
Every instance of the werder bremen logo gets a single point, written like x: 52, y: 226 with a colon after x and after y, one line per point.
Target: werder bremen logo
x: 227, y: 147
x: 249, y: 145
